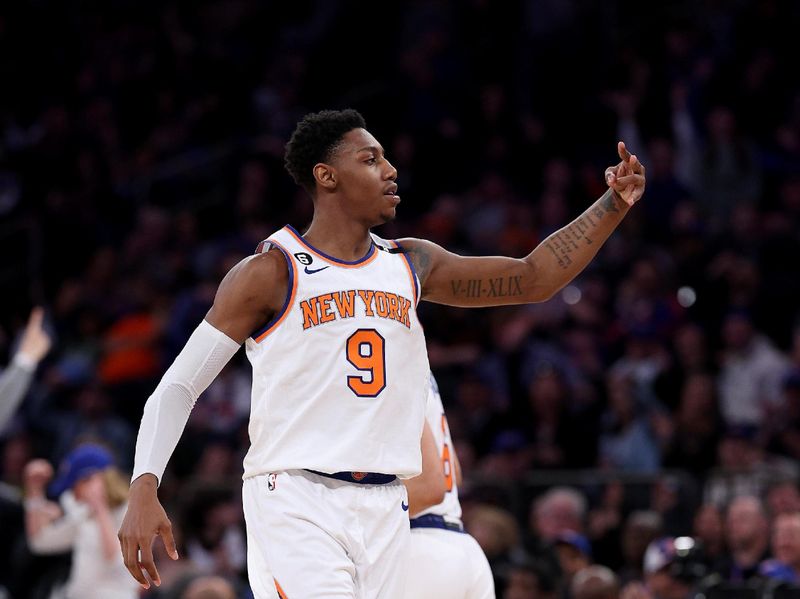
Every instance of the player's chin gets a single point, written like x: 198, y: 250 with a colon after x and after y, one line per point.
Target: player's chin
x: 387, y: 215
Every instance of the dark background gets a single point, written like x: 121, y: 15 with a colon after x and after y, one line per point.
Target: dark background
x: 141, y: 153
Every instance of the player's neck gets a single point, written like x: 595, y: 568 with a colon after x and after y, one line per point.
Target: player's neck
x: 343, y: 239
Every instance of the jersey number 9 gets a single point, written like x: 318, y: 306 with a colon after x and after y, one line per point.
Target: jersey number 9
x: 366, y: 351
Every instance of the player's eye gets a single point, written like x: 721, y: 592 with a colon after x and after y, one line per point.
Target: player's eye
x: 371, y: 160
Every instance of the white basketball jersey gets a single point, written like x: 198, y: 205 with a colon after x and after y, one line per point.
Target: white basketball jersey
x: 340, y: 374
x: 450, y: 507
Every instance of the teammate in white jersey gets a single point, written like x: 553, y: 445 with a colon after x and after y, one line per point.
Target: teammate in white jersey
x: 445, y: 561
x: 339, y: 367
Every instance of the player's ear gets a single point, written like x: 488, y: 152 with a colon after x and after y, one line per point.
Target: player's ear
x: 325, y: 175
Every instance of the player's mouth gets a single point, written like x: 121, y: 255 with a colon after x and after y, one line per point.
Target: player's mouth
x: 391, y: 192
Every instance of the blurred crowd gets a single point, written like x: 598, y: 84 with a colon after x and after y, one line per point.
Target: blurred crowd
x: 141, y: 150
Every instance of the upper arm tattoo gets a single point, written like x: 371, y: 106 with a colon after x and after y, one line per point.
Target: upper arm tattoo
x: 421, y: 259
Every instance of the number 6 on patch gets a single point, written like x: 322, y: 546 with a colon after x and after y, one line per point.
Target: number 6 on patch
x: 366, y: 351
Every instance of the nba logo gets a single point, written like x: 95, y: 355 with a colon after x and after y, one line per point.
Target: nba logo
x: 271, y: 479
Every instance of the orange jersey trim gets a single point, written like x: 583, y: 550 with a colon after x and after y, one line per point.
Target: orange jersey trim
x: 367, y: 259
x: 290, y: 296
x: 280, y: 590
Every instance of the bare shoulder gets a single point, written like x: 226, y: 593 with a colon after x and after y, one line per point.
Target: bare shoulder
x: 260, y: 278
x: 268, y: 268
x: 250, y: 294
x: 422, y: 254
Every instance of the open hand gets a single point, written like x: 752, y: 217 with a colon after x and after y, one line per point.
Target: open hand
x: 144, y: 520
x: 626, y: 179
x: 36, y: 475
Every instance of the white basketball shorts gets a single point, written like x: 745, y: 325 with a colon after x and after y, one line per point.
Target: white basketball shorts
x: 310, y: 536
x: 447, y: 564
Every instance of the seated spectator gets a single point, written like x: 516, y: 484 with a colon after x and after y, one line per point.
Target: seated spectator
x: 744, y: 467
x: 691, y: 357
x: 559, y: 510
x: 785, y: 433
x: 709, y: 530
x: 213, y: 528
x: 673, y: 567
x: 595, y: 582
x: 557, y: 434
x: 640, y: 529
x: 697, y: 427
x: 530, y: 580
x: 209, y: 587
x: 497, y: 533
x: 510, y: 456
x: 93, y: 496
x: 627, y: 441
x: 747, y: 532
x: 92, y: 417
x: 751, y: 374
x: 574, y: 554
x: 782, y: 497
x: 785, y: 565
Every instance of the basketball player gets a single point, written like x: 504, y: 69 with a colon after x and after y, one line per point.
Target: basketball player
x: 340, y: 368
x: 446, y: 562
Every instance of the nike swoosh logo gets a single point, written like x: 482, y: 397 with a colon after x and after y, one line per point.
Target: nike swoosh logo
x: 404, y: 505
x: 311, y: 272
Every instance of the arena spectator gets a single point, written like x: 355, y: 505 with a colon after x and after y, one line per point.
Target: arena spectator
x: 595, y: 582
x: 747, y: 531
x: 17, y: 377
x: 92, y: 495
x: 141, y: 156
x: 785, y: 565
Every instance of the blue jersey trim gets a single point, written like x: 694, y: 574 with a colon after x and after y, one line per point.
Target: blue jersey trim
x: 331, y: 258
x: 260, y: 333
x: 411, y: 267
x: 435, y: 521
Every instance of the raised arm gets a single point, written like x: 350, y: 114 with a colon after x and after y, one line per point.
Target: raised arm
x: 16, y: 379
x: 467, y: 281
x: 250, y: 294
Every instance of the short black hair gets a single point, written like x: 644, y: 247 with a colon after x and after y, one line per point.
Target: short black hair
x: 314, y: 140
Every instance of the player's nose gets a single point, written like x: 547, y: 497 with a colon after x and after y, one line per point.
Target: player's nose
x: 391, y: 172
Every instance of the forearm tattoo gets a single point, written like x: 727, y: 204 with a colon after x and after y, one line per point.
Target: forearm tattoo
x: 578, y: 233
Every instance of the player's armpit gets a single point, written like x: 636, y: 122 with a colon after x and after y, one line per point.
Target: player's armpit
x: 250, y: 294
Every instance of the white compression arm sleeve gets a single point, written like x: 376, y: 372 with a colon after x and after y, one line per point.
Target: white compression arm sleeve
x: 167, y: 409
